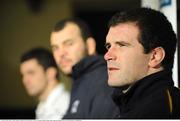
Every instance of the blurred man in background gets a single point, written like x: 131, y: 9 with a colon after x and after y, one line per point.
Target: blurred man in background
x: 40, y: 78
x: 74, y: 50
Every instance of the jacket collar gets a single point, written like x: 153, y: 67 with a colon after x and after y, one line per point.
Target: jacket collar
x: 86, y: 65
x: 143, y: 87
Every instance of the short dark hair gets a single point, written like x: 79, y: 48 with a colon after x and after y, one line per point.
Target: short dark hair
x: 84, y: 28
x: 43, y: 56
x: 155, y: 31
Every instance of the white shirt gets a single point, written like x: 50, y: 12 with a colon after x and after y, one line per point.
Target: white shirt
x: 55, y: 105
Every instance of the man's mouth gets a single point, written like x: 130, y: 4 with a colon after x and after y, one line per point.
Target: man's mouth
x: 64, y: 63
x: 113, y: 68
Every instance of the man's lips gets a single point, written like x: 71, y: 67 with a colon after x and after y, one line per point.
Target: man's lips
x: 64, y: 62
x: 113, y: 68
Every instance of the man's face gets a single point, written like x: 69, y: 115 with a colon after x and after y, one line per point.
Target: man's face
x: 126, y: 61
x: 68, y: 47
x: 34, y: 77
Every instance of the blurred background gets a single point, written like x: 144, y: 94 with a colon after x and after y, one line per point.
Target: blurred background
x: 27, y: 23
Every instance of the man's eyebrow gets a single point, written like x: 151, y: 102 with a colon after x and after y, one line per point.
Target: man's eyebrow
x: 122, y: 42
x: 67, y: 40
x: 52, y: 45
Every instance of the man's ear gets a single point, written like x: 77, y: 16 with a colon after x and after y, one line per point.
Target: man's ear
x: 51, y: 73
x: 91, y: 46
x: 157, y: 56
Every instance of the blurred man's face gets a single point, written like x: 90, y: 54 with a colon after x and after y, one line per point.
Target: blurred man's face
x: 34, y: 77
x: 68, y: 47
x: 125, y: 57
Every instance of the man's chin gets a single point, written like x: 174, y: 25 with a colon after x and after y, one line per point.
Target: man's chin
x: 67, y: 71
x: 111, y: 84
x: 32, y: 94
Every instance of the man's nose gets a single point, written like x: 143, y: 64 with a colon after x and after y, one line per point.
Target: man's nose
x: 61, y: 52
x: 109, y: 55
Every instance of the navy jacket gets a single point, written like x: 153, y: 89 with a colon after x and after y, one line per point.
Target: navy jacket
x: 153, y: 97
x: 90, y: 94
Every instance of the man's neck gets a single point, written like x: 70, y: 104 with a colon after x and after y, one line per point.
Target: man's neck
x: 50, y: 87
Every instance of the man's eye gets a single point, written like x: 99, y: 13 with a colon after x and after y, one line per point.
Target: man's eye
x: 54, y: 48
x: 69, y: 43
x: 107, y: 46
x: 120, y: 44
x: 31, y: 72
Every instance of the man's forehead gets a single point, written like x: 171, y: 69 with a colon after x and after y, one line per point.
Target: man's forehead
x: 123, y: 32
